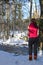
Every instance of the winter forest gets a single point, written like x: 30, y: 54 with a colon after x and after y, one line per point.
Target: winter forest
x: 15, y: 15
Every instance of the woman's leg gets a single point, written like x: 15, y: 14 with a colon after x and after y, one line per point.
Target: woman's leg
x: 35, y: 51
x: 35, y: 48
x: 30, y: 49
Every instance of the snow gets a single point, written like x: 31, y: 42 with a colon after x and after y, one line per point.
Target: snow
x: 18, y: 33
x: 40, y: 53
x: 16, y: 40
x: 12, y: 59
x: 15, y: 59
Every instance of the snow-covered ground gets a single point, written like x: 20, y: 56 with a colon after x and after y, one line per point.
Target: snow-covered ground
x: 18, y: 59
x: 17, y: 39
x: 12, y: 59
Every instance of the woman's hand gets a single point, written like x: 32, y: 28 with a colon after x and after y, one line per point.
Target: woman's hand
x: 28, y: 28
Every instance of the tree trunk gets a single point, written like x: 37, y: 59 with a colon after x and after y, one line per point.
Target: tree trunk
x: 41, y: 21
x: 41, y: 5
x: 30, y: 9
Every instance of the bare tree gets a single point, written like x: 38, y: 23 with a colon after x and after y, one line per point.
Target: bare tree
x: 30, y: 10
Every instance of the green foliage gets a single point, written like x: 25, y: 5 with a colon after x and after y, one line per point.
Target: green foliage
x: 16, y: 23
x: 25, y: 38
x: 6, y: 1
x: 41, y: 23
x: 3, y: 14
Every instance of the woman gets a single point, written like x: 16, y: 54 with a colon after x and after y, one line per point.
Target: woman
x: 33, y: 34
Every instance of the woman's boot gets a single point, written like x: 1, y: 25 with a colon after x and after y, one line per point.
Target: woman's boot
x: 35, y: 57
x: 30, y: 57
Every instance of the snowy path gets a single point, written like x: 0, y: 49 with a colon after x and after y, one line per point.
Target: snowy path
x: 11, y: 59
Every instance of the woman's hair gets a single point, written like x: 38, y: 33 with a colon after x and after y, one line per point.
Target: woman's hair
x: 33, y: 20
